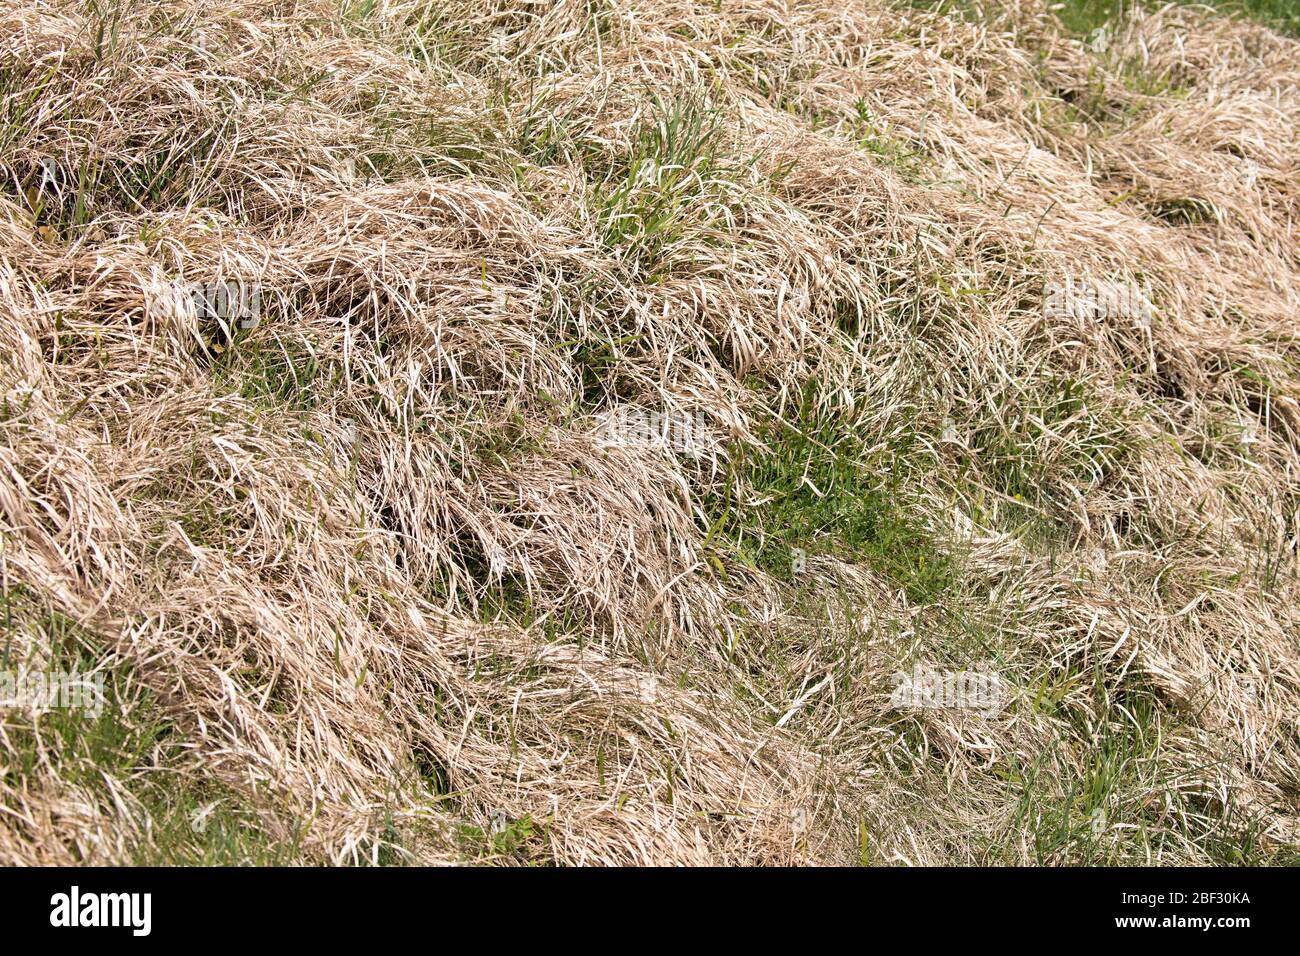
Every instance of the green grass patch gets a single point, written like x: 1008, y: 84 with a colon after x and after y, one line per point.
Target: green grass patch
x: 816, y: 489
x: 1105, y: 793
x: 1084, y: 16
x: 1048, y: 442
x: 667, y: 188
x: 127, y: 739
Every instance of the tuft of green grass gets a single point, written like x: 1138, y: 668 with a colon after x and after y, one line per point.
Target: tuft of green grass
x: 1082, y: 17
x: 664, y: 191
x: 521, y: 840
x: 815, y: 489
x: 872, y: 134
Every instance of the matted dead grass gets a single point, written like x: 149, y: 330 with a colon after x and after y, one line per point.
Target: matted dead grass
x: 371, y: 566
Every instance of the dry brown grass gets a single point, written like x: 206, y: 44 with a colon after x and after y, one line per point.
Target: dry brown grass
x: 370, y: 564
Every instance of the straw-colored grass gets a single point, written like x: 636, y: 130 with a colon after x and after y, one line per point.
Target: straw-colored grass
x: 369, y: 584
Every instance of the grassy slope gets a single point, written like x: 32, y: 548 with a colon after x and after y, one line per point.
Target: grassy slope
x: 1093, y: 765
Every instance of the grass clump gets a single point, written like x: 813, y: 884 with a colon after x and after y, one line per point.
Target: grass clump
x: 817, y: 486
